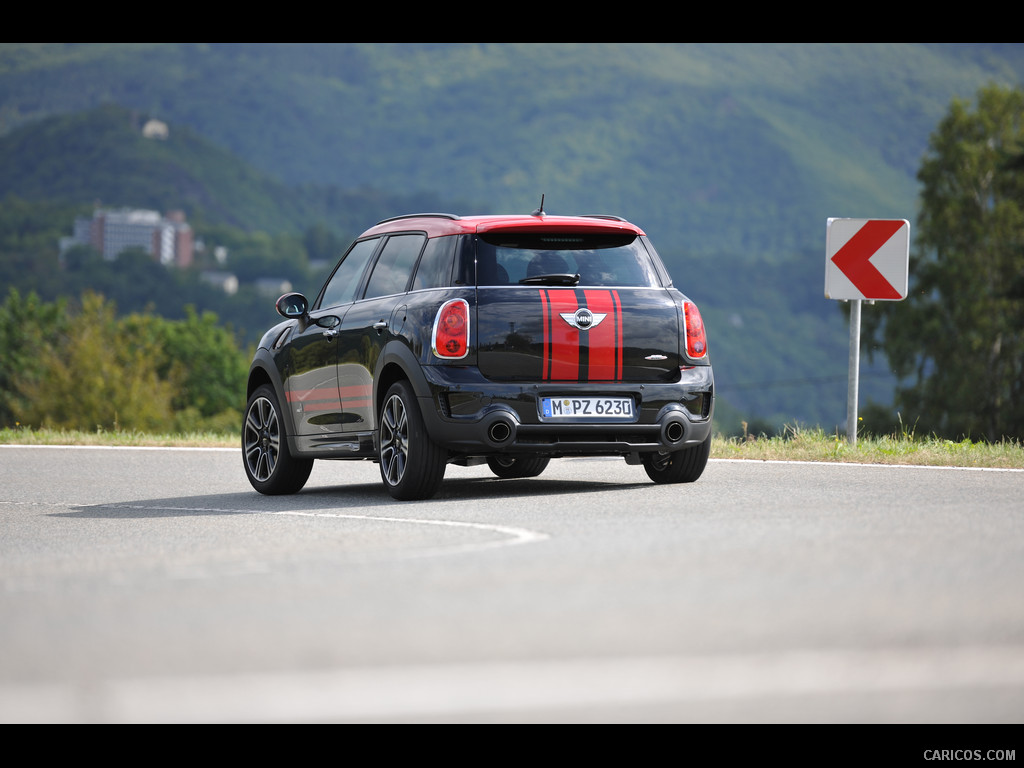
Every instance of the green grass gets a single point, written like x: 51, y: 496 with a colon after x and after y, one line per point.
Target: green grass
x: 794, y: 444
x: 802, y: 444
x: 116, y: 438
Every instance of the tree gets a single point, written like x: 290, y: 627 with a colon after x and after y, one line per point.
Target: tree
x: 956, y: 342
x: 27, y: 326
x: 95, y: 376
x: 202, y: 359
x: 84, y: 368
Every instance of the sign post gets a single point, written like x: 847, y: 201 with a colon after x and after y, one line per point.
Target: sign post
x: 865, y: 260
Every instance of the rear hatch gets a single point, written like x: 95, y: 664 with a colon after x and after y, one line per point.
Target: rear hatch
x: 573, y: 307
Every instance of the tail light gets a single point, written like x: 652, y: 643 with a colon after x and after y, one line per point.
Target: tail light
x: 696, y: 338
x: 450, y: 340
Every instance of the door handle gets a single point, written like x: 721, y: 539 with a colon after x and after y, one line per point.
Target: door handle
x: 380, y: 325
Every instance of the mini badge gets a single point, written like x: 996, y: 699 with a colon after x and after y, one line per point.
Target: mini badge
x: 583, y: 319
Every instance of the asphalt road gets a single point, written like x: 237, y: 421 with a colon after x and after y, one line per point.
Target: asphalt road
x: 155, y: 586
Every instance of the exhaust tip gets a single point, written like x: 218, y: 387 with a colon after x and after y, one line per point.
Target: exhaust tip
x: 674, y: 431
x: 499, y: 432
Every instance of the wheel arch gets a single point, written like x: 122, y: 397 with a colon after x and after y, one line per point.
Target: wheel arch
x: 397, y: 363
x: 258, y: 376
x: 263, y: 372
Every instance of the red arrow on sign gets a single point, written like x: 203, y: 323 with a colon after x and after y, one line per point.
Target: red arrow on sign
x: 854, y: 259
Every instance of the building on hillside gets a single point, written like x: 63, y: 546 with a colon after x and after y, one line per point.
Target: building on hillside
x: 155, y: 129
x: 168, y: 239
x: 226, y: 281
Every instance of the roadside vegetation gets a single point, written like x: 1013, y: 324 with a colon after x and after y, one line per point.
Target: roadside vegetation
x: 902, y: 446
x: 117, y: 438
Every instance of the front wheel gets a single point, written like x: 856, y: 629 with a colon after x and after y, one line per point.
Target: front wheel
x: 411, y: 464
x: 517, y: 466
x: 269, y: 465
x: 683, y: 466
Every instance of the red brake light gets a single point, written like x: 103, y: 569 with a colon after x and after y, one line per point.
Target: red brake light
x: 696, y: 338
x: 451, y: 330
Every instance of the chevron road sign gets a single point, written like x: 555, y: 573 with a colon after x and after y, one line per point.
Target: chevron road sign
x: 867, y: 259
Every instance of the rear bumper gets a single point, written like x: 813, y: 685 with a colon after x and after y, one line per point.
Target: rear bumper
x: 470, y: 415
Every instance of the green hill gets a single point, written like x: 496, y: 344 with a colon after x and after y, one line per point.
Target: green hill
x: 101, y: 157
x: 731, y: 156
x: 712, y: 147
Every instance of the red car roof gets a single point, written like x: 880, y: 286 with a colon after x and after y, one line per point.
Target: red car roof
x: 435, y: 224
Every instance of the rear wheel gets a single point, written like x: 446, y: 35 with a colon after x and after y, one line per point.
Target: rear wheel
x: 517, y: 466
x: 269, y: 465
x: 683, y: 466
x: 411, y: 464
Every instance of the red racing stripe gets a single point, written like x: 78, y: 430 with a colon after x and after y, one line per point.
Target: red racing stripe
x: 605, y: 340
x: 561, y: 341
x: 545, y: 315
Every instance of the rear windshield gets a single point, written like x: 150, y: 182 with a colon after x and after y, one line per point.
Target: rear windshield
x: 512, y: 258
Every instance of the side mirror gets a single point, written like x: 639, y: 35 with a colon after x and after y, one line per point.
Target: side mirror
x: 292, y: 305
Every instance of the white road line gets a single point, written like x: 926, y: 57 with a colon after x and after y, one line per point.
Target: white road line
x: 863, y: 464
x: 514, y: 536
x: 508, y: 536
x: 454, y: 690
x: 588, y: 458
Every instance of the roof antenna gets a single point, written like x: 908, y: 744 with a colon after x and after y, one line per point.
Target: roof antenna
x: 539, y: 211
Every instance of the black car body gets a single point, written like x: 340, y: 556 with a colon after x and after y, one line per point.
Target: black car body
x: 506, y: 339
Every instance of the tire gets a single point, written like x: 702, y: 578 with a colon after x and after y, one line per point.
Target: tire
x: 683, y: 466
x: 517, y: 466
x: 411, y: 464
x: 268, y: 463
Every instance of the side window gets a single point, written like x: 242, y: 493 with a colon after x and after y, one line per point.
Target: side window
x: 435, y: 269
x: 341, y: 288
x: 465, y: 261
x: 393, y: 269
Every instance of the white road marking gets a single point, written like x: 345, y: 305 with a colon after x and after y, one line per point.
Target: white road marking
x: 511, y: 536
x: 515, y: 535
x: 582, y: 458
x: 506, y: 536
x: 862, y: 464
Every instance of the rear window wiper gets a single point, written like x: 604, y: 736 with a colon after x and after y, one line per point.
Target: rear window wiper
x: 555, y: 279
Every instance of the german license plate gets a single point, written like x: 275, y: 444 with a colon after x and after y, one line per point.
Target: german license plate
x: 587, y: 407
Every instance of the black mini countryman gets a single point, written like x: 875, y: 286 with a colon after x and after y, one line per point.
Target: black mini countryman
x: 510, y: 340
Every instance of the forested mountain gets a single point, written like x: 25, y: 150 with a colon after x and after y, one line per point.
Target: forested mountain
x: 101, y: 157
x: 731, y: 156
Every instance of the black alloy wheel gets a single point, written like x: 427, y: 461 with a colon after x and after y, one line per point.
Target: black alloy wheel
x: 412, y: 465
x: 269, y: 465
